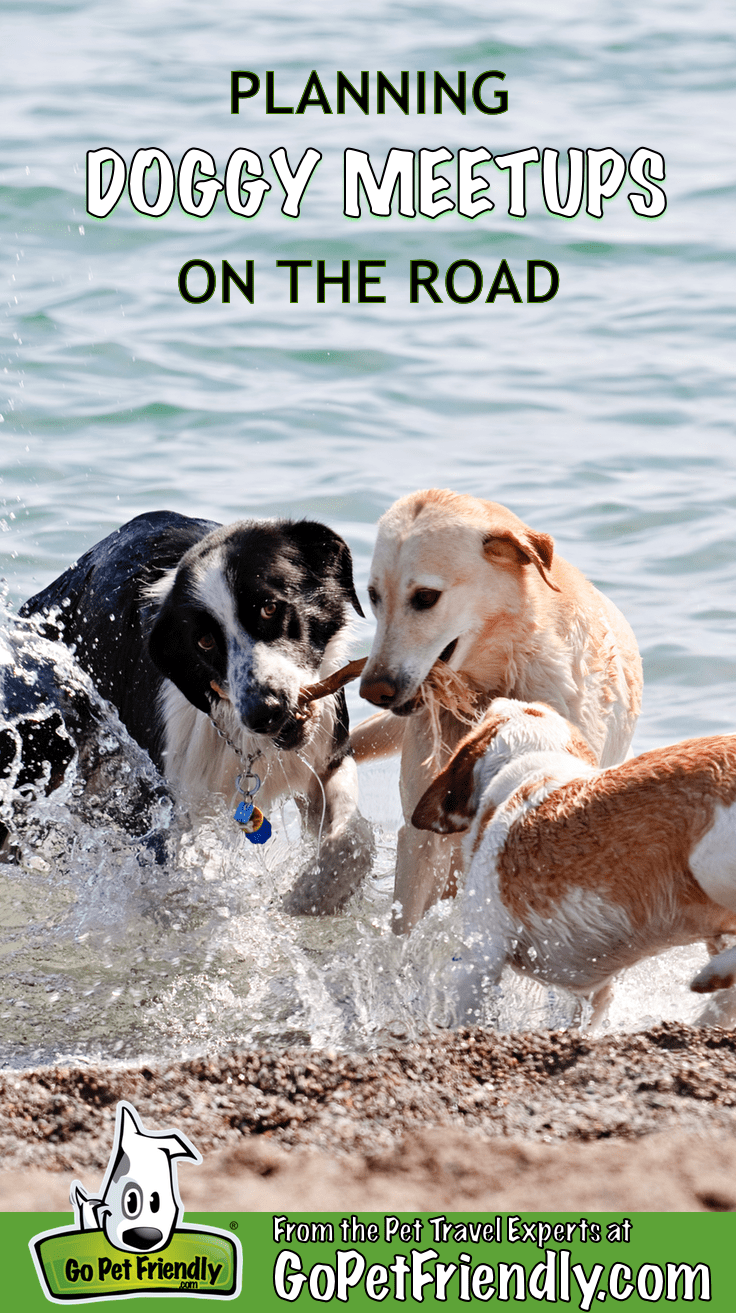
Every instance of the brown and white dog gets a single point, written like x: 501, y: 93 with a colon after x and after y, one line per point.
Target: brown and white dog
x: 574, y: 873
x: 462, y: 581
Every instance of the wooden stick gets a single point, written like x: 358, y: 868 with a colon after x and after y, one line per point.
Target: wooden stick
x: 314, y: 691
x: 332, y: 683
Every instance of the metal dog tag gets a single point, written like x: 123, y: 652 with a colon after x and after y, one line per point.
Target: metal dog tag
x: 261, y: 828
x: 247, y: 815
x: 243, y: 811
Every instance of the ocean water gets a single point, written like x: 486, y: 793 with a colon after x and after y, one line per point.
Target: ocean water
x: 603, y: 416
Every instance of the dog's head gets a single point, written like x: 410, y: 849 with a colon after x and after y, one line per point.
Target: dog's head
x: 508, y: 730
x: 140, y: 1205
x: 446, y: 569
x: 248, y: 617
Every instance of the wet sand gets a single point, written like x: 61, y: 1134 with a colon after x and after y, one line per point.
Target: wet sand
x: 463, y: 1121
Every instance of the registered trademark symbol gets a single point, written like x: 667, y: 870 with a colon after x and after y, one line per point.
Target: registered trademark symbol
x: 233, y: 1226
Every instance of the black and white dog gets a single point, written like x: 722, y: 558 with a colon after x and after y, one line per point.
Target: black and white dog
x: 187, y: 627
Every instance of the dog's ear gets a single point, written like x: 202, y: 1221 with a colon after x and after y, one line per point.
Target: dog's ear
x: 89, y: 1210
x: 451, y: 801
x: 327, y: 553
x: 172, y: 650
x: 446, y: 806
x: 522, y: 544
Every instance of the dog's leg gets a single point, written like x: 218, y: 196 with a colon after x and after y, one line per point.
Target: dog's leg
x: 719, y: 973
x: 428, y: 865
x: 600, y: 1002
x: 425, y: 864
x: 380, y: 735
x: 346, y: 845
x: 717, y: 979
x: 474, y: 974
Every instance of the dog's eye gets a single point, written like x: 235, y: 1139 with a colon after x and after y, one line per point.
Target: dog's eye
x: 373, y: 597
x: 132, y: 1200
x: 155, y: 1202
x: 269, y: 609
x: 425, y: 598
x: 207, y: 643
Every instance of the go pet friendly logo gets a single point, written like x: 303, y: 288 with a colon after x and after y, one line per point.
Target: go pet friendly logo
x: 126, y: 1241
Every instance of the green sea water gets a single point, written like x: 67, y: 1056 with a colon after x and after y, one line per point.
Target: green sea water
x: 603, y: 416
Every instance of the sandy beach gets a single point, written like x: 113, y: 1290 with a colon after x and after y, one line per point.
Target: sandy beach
x: 464, y: 1121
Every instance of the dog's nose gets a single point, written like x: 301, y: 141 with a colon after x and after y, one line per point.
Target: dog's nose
x: 267, y: 717
x: 381, y: 692
x: 142, y: 1237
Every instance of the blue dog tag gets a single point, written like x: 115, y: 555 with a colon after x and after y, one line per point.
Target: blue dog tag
x: 261, y: 834
x: 257, y: 828
x: 243, y: 812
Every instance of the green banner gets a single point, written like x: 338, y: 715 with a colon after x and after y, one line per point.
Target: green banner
x: 565, y: 1260
x: 76, y: 1266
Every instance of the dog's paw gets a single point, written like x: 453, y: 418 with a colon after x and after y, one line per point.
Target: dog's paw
x: 325, y: 886
x: 719, y: 973
x: 314, y: 895
x: 707, y: 982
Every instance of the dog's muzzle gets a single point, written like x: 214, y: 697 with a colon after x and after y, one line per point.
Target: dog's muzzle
x: 267, y: 716
x: 274, y: 717
x: 292, y: 733
x: 381, y: 692
x: 287, y: 727
x: 385, y: 692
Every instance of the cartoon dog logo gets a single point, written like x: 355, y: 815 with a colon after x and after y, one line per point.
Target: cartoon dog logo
x: 138, y: 1206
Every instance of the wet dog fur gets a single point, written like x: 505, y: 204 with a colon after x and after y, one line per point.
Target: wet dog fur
x: 463, y: 581
x: 185, y: 625
x: 574, y: 873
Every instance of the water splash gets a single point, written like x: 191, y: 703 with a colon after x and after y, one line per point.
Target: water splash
x: 124, y: 934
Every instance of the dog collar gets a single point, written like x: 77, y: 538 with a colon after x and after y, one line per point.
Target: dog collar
x: 253, y: 823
